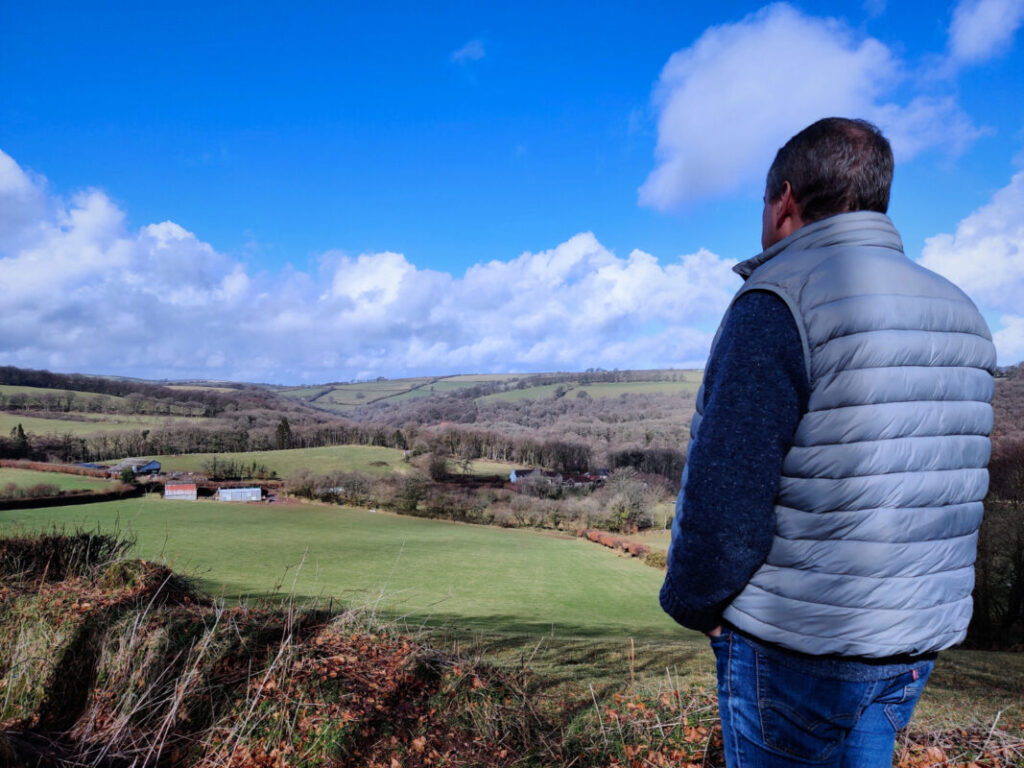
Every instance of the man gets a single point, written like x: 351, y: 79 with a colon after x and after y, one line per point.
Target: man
x: 826, y: 530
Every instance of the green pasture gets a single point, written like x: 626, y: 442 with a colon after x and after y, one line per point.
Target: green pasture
x: 202, y: 387
x: 36, y: 394
x: 484, y: 467
x: 88, y: 424
x: 479, y: 378
x: 656, y: 538
x: 25, y: 478
x: 439, y: 387
x: 477, y: 577
x: 367, y: 459
x: 604, y: 389
x: 300, y: 392
x: 543, y: 392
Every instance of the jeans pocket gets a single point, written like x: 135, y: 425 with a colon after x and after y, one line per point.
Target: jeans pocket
x: 804, y: 716
x: 721, y: 640
x: 899, y: 701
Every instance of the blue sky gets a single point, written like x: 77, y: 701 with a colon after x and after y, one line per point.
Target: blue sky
x: 357, y: 176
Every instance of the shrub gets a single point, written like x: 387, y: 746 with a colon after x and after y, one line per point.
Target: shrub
x: 437, y: 466
x: 37, y: 491
x: 411, y: 492
x: 657, y: 559
x: 620, y: 543
x: 42, y: 490
x: 630, y: 498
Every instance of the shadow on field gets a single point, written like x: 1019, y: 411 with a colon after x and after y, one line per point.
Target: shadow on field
x: 563, y: 654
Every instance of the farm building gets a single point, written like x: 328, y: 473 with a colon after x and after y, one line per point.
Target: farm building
x: 519, y: 475
x: 138, y: 466
x: 240, y: 494
x: 183, y: 491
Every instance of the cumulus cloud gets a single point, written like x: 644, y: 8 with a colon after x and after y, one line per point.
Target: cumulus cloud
x: 84, y: 292
x: 728, y: 101
x: 24, y: 202
x: 985, y: 257
x: 471, y: 51
x: 982, y: 29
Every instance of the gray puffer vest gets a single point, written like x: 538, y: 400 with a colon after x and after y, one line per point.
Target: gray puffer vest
x: 881, y: 494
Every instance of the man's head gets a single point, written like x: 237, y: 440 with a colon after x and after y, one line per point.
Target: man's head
x: 832, y: 166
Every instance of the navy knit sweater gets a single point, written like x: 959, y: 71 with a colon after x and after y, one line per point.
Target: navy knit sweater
x: 756, y: 390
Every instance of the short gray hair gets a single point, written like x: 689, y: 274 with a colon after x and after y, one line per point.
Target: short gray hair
x: 833, y: 166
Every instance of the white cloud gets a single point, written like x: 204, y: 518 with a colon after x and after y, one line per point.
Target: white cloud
x: 24, y: 204
x: 471, y: 51
x: 84, y: 292
x: 981, y: 29
x: 985, y: 257
x: 728, y: 101
x: 1009, y: 339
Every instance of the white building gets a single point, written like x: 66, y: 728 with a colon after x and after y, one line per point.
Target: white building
x: 183, y: 491
x: 240, y: 494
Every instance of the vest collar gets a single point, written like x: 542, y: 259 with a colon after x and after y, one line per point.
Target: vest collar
x: 854, y: 228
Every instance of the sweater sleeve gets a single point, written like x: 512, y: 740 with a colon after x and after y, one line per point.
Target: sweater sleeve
x: 756, y: 390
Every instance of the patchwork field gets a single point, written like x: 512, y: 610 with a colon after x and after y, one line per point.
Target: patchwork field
x: 344, y: 397
x: 25, y: 478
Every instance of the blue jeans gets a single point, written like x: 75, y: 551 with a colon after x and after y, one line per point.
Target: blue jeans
x: 778, y: 711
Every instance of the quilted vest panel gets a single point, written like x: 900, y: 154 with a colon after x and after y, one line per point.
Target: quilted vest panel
x: 881, y: 494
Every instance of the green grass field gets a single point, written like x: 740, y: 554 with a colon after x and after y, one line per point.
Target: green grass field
x: 478, y: 378
x: 24, y: 478
x: 486, y: 468
x: 605, y: 389
x: 476, y: 576
x: 90, y: 423
x: 34, y: 394
x: 370, y: 460
x: 658, y: 537
x: 201, y: 387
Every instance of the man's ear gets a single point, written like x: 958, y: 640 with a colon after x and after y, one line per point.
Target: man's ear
x: 786, y: 211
